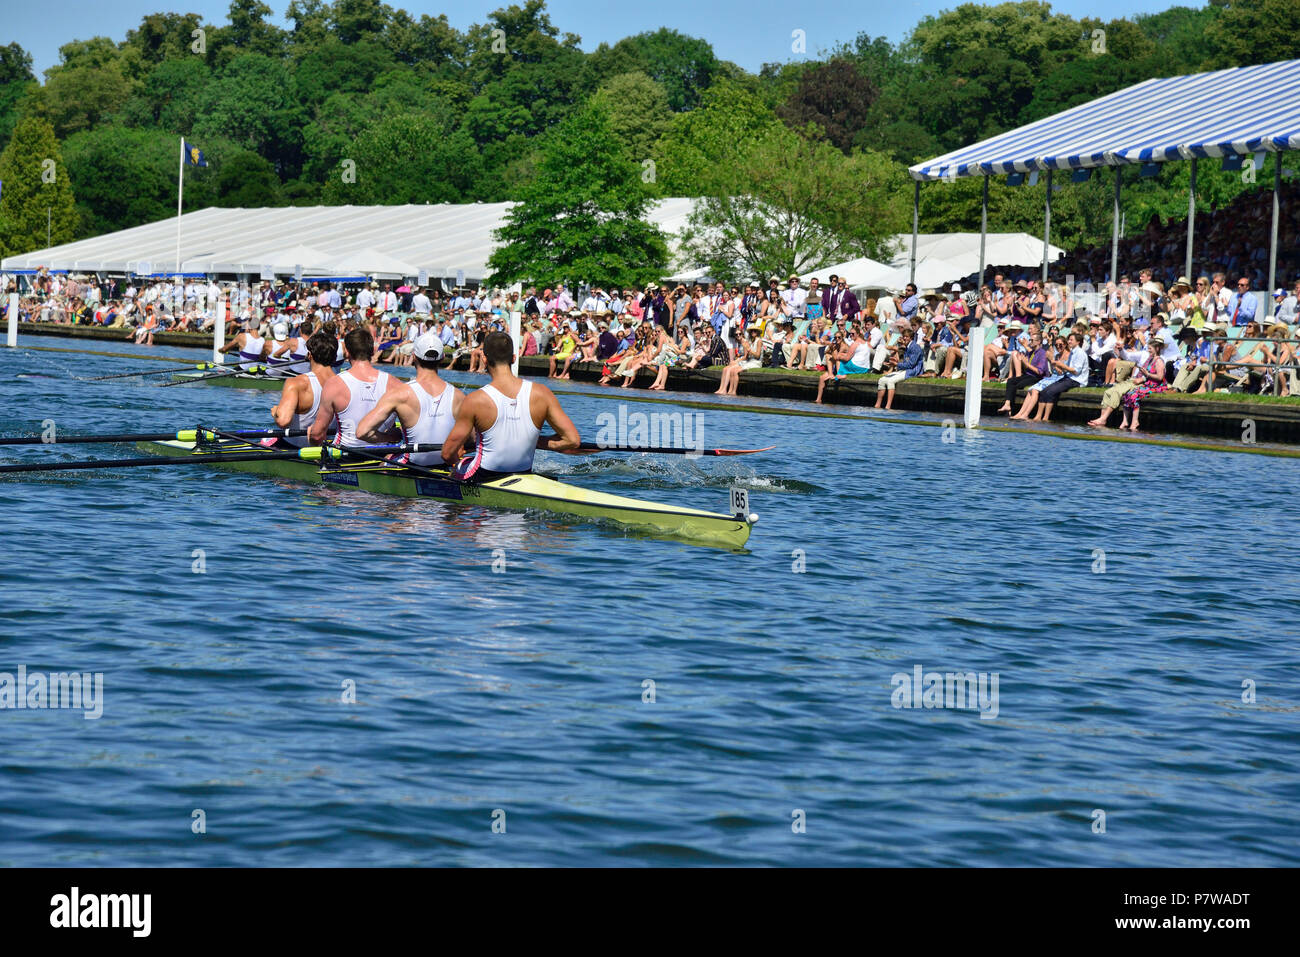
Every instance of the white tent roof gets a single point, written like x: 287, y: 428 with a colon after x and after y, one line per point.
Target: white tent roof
x: 940, y: 258
x: 324, y: 240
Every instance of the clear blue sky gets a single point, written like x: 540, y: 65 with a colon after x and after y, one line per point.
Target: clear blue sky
x: 747, y: 32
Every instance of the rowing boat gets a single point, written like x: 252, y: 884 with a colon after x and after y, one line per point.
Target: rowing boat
x: 525, y: 491
x: 236, y: 380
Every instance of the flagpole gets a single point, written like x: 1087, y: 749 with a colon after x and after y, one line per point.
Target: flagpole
x: 180, y: 190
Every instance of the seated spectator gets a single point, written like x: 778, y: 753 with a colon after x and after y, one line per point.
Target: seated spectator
x: 1149, y: 379
x: 1068, y: 369
x: 908, y: 365
x: 1027, y: 368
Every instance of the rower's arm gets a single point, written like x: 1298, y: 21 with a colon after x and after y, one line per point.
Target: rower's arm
x: 461, y: 431
x: 232, y: 343
x: 389, y: 403
x: 566, y: 437
x: 283, y: 411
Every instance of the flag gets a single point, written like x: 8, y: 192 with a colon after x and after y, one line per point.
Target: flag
x: 194, y: 155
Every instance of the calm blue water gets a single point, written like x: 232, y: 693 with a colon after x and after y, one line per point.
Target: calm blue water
x: 523, y: 691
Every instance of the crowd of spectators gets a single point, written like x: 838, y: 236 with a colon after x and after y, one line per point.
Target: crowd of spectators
x: 1135, y: 337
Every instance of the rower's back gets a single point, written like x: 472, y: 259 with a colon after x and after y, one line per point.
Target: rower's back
x: 509, y: 443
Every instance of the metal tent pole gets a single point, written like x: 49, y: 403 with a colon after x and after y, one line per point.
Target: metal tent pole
x: 1272, y: 241
x: 916, y: 225
x: 984, y: 230
x: 1047, y: 224
x: 1191, y: 226
x: 1114, y: 242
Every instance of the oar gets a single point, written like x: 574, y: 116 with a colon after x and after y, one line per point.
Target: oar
x: 202, y: 366
x: 310, y: 454
x: 665, y: 450
x: 185, y: 435
x: 217, y: 375
x: 378, y: 453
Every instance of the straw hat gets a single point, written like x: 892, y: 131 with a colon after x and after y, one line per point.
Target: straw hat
x: 1181, y: 282
x: 1154, y: 288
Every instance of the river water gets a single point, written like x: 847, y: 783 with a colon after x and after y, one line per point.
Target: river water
x: 298, y: 676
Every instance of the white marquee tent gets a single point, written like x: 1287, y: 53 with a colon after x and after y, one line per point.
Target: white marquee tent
x: 940, y: 258
x: 384, y: 241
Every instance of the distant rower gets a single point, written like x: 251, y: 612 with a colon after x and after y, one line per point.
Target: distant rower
x: 300, y: 398
x: 251, y: 346
x: 508, y: 415
x: 349, y: 396
x: 426, y: 408
x: 288, y: 356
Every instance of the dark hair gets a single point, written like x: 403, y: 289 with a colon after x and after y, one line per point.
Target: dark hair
x: 322, y: 348
x: 359, y: 343
x: 498, y: 349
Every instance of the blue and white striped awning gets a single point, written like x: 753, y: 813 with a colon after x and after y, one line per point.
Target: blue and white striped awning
x: 1227, y: 112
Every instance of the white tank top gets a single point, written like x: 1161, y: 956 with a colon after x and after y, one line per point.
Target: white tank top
x: 251, y: 350
x: 862, y: 354
x: 300, y: 350
x: 511, y: 442
x: 363, y: 396
x: 304, y: 420
x: 434, y: 424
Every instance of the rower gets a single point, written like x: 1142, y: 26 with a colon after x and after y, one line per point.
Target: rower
x: 425, y: 408
x: 251, y: 346
x: 349, y: 396
x: 301, y: 396
x: 289, y: 354
x: 507, y: 414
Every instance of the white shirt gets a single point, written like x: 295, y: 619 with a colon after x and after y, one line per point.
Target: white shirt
x: 795, y: 298
x: 421, y: 304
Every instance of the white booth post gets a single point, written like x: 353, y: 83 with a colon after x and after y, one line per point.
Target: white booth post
x: 516, y: 338
x: 974, y: 376
x: 219, y: 330
x: 13, y: 321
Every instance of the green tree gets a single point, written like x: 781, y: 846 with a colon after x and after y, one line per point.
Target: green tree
x: 161, y: 36
x: 16, y: 82
x: 34, y: 181
x: 684, y: 66
x: 1253, y: 31
x: 431, y: 42
x: 406, y: 158
x: 80, y: 97
x: 790, y: 202
x: 171, y: 97
x: 583, y: 217
x: 253, y: 103
x: 701, y: 144
x: 638, y: 111
x: 246, y: 180
x: 123, y: 177
x: 835, y: 96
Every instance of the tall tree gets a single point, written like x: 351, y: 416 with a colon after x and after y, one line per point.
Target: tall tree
x: 790, y: 202
x: 836, y: 96
x: 638, y: 111
x: 1253, y: 31
x: 684, y: 66
x: 16, y: 82
x: 35, y: 190
x: 583, y: 217
x: 406, y: 158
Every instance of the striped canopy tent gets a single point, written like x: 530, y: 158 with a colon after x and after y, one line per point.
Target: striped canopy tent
x: 1227, y: 115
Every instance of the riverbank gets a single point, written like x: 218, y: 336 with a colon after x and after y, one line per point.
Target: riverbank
x: 1222, y: 415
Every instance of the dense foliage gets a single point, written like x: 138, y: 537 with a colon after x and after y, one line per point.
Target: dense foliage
x: 359, y: 102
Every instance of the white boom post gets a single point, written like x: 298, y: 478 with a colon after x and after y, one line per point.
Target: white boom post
x: 974, y: 375
x: 219, y: 330
x: 515, y: 337
x: 13, y: 321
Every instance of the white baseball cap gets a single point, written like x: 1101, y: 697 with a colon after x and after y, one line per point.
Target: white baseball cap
x: 280, y: 331
x: 428, y: 347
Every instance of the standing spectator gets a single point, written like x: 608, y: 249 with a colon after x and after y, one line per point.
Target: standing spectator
x: 1242, y: 304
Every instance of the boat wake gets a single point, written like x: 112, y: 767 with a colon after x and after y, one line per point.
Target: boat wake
x: 654, y: 472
